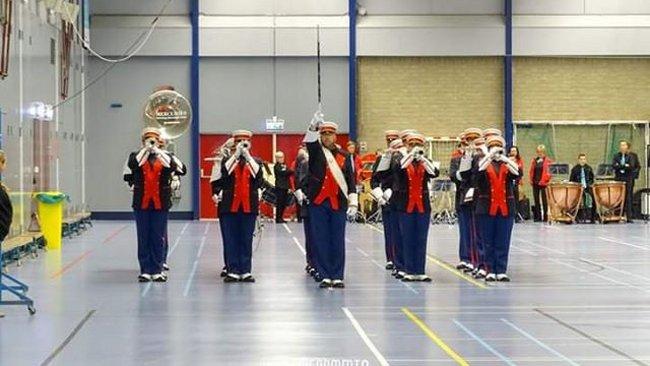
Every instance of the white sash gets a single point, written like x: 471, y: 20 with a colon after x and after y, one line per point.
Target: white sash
x: 336, y: 170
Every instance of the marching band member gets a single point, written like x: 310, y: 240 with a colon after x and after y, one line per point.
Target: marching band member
x: 379, y: 183
x: 238, y: 182
x: 460, y: 173
x: 282, y: 187
x: 148, y: 171
x: 496, y: 206
x: 175, y: 184
x: 331, y: 192
x: 221, y: 153
x: 412, y: 175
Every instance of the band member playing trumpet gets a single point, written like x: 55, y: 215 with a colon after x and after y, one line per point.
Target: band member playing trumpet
x: 412, y: 174
x: 380, y: 182
x: 331, y: 192
x: 496, y: 206
x: 237, y: 183
x: 148, y: 171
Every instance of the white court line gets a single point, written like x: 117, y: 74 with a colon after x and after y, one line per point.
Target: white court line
x: 302, y: 249
x: 362, y: 252
x: 207, y: 227
x: 540, y: 246
x: 286, y: 227
x: 623, y: 243
x: 539, y: 343
x: 188, y: 285
x: 644, y: 278
x: 484, y: 343
x: 601, y: 276
x: 366, y: 339
x: 524, y: 250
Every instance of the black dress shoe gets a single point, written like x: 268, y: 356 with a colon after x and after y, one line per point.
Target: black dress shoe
x: 231, y: 278
x: 317, y: 277
x: 144, y: 278
x: 224, y: 272
x: 326, y: 283
x: 249, y: 279
x: 338, y: 284
x: 390, y: 266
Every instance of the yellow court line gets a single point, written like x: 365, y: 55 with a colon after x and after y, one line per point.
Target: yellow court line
x: 455, y: 272
x: 434, y: 337
x: 445, y: 266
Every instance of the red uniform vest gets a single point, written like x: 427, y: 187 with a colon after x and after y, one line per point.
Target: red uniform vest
x: 330, y: 189
x: 151, y: 174
x: 241, y: 189
x: 498, y: 182
x: 415, y: 175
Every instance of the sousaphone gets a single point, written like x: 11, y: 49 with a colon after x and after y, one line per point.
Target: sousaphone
x: 169, y: 111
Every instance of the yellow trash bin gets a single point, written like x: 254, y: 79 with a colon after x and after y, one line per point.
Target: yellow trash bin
x: 50, y: 213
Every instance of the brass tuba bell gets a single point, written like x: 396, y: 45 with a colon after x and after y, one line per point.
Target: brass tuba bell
x: 169, y: 111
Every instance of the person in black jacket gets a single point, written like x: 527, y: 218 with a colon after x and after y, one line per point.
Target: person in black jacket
x: 149, y: 172
x: 412, y: 174
x: 626, y: 169
x: 236, y: 185
x: 495, y: 206
x: 379, y: 182
x: 282, y: 174
x: 584, y: 175
x: 331, y: 192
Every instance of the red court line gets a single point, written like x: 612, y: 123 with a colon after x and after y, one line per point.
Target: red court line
x: 65, y: 268
x: 85, y: 254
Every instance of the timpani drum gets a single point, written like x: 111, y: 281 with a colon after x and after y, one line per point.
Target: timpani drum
x: 564, y: 199
x: 610, y: 199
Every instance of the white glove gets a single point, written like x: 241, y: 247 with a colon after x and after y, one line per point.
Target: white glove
x: 388, y: 194
x: 418, y: 153
x: 300, y: 197
x: 316, y: 121
x: 377, y: 193
x: 216, y: 199
x: 176, y: 183
x: 246, y: 154
x: 352, y: 213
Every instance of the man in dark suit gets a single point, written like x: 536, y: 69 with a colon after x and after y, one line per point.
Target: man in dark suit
x: 584, y: 174
x: 282, y: 174
x: 626, y: 168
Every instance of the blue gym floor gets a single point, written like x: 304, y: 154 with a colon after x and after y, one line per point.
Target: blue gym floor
x: 580, y: 296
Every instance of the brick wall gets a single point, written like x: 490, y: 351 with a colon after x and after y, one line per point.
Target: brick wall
x: 439, y: 96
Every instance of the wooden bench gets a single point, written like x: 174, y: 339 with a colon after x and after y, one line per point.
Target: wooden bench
x: 16, y: 247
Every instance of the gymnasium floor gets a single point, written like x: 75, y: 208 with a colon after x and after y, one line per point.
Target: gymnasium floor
x: 580, y: 295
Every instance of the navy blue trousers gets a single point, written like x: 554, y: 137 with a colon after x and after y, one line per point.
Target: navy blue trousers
x: 495, y: 234
x: 396, y: 239
x: 238, y: 229
x: 386, y: 214
x: 309, y: 243
x: 150, y: 226
x: 415, y: 231
x: 328, y: 237
x: 465, y: 233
